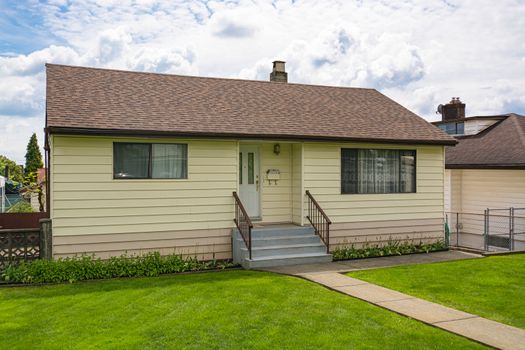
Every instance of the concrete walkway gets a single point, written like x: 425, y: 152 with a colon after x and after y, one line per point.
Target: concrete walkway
x: 471, y: 326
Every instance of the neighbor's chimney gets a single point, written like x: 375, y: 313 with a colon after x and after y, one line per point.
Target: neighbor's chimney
x: 455, y: 109
x: 279, y: 73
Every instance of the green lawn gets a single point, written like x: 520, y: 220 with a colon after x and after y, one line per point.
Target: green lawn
x: 490, y: 287
x: 225, y: 310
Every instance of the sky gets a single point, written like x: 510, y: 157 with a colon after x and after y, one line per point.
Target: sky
x: 419, y: 53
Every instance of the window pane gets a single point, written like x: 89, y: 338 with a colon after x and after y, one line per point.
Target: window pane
x: 460, y: 128
x: 240, y: 168
x: 131, y: 160
x: 408, y: 171
x: 169, y: 161
x: 349, y: 171
x: 378, y: 171
x: 250, y: 169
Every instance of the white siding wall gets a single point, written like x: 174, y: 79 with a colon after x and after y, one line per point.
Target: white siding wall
x: 297, y: 184
x: 191, y: 215
x: 474, y: 190
x: 276, y: 198
x: 474, y: 126
x: 362, y: 218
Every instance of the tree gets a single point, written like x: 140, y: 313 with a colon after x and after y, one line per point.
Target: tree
x: 33, y: 156
x: 15, y: 171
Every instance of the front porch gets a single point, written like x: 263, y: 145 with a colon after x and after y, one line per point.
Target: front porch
x: 273, y: 226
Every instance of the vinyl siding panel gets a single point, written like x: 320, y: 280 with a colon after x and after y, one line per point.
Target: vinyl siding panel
x: 475, y: 126
x: 276, y: 198
x: 297, y: 184
x: 88, y: 202
x: 478, y: 189
x: 399, y: 216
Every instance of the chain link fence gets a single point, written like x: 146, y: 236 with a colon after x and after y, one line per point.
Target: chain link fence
x: 494, y: 230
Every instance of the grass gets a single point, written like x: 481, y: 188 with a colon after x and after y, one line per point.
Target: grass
x: 223, y: 310
x: 490, y: 287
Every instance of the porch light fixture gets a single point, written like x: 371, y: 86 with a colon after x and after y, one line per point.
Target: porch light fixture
x: 277, y: 149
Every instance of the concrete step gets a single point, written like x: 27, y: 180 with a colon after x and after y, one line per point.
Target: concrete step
x: 280, y: 250
x: 284, y: 240
x: 266, y: 232
x: 285, y: 260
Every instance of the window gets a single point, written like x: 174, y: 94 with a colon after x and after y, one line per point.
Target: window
x: 150, y: 161
x: 453, y: 128
x: 378, y: 171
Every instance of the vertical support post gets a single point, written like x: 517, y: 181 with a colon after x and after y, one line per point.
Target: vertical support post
x: 486, y: 230
x: 457, y: 229
x: 511, y: 228
x: 46, y: 239
x: 250, y: 241
x: 447, y: 231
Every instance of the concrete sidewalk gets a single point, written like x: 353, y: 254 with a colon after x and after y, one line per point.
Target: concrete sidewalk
x: 373, y: 263
x: 471, y: 326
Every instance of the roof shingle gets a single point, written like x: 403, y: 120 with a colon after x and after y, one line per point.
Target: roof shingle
x: 80, y: 98
x: 501, y: 145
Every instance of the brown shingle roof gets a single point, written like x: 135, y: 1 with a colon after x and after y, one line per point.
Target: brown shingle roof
x: 502, y: 145
x: 111, y: 101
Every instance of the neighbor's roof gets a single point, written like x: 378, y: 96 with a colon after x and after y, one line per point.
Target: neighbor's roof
x: 501, y: 145
x: 103, y: 101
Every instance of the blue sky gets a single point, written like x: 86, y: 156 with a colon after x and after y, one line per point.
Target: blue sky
x: 420, y: 53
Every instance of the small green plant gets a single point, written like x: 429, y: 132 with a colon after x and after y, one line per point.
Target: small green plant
x: 87, y: 267
x: 391, y: 248
x: 21, y: 207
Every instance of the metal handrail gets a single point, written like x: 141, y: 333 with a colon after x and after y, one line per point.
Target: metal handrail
x: 319, y: 220
x: 244, y: 223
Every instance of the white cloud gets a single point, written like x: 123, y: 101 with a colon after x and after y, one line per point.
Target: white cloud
x: 342, y: 56
x: 420, y: 54
x: 16, y: 132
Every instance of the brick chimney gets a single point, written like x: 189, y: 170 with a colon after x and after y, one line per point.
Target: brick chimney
x: 455, y: 109
x: 278, y: 73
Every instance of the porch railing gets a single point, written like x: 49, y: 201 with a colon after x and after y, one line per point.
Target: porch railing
x: 243, y: 223
x: 319, y: 220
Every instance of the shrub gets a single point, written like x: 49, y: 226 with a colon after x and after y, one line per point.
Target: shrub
x: 392, y: 248
x: 21, y: 207
x: 87, y: 267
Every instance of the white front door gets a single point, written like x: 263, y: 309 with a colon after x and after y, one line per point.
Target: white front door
x: 249, y: 186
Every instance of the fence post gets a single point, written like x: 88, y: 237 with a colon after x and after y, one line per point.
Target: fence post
x: 486, y: 230
x: 457, y: 229
x: 46, y: 239
x: 511, y: 228
x: 447, y: 231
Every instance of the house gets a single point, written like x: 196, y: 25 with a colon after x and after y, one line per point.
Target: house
x: 486, y: 169
x: 144, y: 161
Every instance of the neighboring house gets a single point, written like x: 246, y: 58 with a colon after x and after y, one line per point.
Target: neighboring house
x: 486, y: 169
x: 143, y: 161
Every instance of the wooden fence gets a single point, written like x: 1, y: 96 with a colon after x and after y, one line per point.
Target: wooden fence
x: 26, y: 244
x: 21, y: 220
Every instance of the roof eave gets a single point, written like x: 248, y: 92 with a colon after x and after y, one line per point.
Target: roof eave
x: 156, y: 133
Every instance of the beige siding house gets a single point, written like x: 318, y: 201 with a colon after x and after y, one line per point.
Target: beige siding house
x: 486, y: 169
x: 149, y: 162
x: 485, y: 179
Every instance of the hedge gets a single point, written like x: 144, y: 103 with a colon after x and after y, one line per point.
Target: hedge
x: 391, y: 248
x: 87, y: 267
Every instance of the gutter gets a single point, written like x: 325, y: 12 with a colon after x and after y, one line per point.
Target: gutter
x: 150, y: 133
x: 517, y: 166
